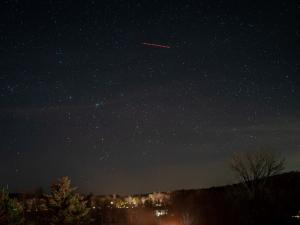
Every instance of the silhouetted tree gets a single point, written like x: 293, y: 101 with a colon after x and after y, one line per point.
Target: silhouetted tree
x: 252, y: 168
x: 39, y: 192
x: 11, y: 211
x: 64, y: 205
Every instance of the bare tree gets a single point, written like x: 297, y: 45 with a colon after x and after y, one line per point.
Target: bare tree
x: 252, y: 168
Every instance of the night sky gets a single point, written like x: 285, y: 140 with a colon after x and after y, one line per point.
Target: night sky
x: 80, y: 95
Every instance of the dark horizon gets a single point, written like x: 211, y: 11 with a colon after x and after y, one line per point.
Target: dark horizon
x: 42, y: 191
x: 82, y: 96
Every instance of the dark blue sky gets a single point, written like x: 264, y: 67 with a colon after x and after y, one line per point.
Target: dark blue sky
x: 81, y: 96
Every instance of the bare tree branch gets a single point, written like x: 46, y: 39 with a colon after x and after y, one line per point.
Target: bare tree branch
x: 253, y: 167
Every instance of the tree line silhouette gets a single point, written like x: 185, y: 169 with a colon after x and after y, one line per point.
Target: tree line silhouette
x: 263, y: 195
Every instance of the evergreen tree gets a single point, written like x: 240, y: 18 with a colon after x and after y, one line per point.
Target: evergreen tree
x: 11, y: 211
x: 65, y: 205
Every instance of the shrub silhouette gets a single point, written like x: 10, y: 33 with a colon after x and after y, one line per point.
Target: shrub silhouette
x: 65, y: 206
x: 11, y: 211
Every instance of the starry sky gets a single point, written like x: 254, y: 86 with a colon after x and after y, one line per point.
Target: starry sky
x: 81, y: 96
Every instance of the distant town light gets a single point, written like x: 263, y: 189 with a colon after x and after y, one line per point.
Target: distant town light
x: 297, y: 216
x: 160, y: 212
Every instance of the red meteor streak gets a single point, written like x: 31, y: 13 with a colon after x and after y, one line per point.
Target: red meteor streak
x: 156, y: 45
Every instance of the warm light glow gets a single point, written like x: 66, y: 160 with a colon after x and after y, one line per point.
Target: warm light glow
x: 160, y: 212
